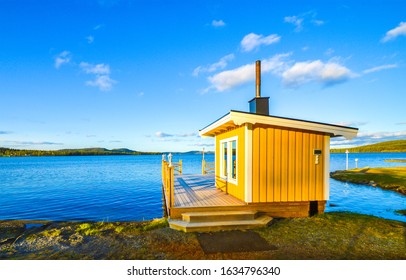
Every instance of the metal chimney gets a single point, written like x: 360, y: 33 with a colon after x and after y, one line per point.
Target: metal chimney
x: 258, y: 78
x: 259, y: 105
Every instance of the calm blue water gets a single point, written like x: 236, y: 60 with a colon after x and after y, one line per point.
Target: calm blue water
x: 128, y: 188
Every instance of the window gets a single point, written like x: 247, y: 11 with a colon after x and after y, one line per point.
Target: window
x: 229, y: 159
x: 234, y: 159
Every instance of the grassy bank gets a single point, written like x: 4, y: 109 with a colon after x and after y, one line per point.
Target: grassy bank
x: 389, y: 178
x: 327, y: 236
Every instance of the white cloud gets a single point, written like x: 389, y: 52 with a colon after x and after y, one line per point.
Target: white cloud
x: 292, y: 74
x: 62, y: 58
x: 191, y: 134
x: 20, y: 143
x: 203, y: 145
x: 299, y: 21
x: 317, y: 22
x: 253, y: 41
x: 98, y: 69
x: 97, y: 27
x: 296, y: 21
x: 352, y: 124
x: 380, y: 68
x: 232, y: 78
x: 102, y: 78
x: 161, y: 134
x: 90, y: 39
x: 329, y: 52
x: 395, y: 32
x: 103, y: 82
x: 316, y: 71
x: 221, y: 64
x: 218, y: 23
x: 4, y: 132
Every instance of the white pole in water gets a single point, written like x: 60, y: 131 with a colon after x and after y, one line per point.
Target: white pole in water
x: 356, y: 163
x: 170, y: 159
x: 346, y: 159
x: 203, y: 153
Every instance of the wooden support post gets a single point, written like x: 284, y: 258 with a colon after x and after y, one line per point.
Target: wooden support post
x: 172, y: 186
x: 203, y: 167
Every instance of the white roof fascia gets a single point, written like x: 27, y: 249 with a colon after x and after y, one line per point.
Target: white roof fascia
x: 240, y: 118
x: 214, y: 125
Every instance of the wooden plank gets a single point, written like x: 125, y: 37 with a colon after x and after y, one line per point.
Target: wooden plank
x: 305, y: 167
x: 199, y: 191
x: 312, y: 168
x: 291, y: 165
x: 255, y: 165
x: 270, y: 161
x: 284, y: 165
x: 277, y: 165
x: 298, y: 167
x: 319, y: 169
x: 262, y: 164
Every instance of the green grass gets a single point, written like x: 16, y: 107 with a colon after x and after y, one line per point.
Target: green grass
x: 401, y: 212
x: 156, y: 224
x: 97, y: 228
x: 327, y: 236
x: 337, y: 236
x: 390, y: 178
x: 51, y: 233
x: 395, y: 160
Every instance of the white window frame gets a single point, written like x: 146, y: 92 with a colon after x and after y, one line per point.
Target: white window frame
x: 229, y: 160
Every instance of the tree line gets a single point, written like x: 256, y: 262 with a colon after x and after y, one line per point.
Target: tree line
x: 388, y: 146
x: 6, y: 152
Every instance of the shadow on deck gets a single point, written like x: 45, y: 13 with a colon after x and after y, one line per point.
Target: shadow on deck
x: 200, y: 191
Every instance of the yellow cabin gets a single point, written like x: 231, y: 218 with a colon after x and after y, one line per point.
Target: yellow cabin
x: 265, y: 166
x: 279, y: 166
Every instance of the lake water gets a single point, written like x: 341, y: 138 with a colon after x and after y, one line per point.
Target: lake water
x: 128, y: 188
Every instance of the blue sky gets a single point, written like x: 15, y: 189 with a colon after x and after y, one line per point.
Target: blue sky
x: 147, y: 75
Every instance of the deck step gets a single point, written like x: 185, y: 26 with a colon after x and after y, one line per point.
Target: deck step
x: 205, y: 226
x: 218, y: 216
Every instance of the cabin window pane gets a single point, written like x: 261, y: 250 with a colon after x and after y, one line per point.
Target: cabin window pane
x: 234, y: 159
x: 225, y: 156
x: 228, y: 159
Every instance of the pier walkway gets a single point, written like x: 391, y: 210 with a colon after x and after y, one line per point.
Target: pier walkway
x: 200, y: 191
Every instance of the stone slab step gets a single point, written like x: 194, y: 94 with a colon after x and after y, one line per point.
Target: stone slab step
x: 218, y: 216
x: 219, y: 225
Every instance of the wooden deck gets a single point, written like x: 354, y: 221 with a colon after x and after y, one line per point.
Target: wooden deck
x: 200, y: 191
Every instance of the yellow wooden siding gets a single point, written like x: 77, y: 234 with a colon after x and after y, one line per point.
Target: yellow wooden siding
x: 263, y: 164
x: 276, y: 176
x: 236, y: 190
x: 269, y: 170
x: 284, y: 166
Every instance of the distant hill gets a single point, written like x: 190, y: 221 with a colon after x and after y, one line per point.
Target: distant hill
x: 71, y: 152
x: 86, y: 152
x: 388, y: 146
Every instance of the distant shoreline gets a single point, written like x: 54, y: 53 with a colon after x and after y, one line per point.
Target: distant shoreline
x: 7, y: 152
x: 396, y: 146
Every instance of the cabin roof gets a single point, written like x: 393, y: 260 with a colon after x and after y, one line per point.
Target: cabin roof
x: 237, y: 118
